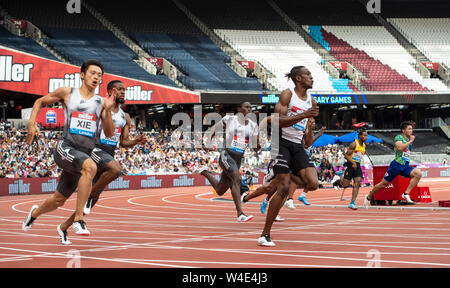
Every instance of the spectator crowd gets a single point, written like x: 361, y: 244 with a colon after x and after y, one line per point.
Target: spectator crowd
x: 164, y: 153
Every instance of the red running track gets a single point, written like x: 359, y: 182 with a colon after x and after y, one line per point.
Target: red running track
x: 188, y: 227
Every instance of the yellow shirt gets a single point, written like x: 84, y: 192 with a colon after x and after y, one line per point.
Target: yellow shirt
x: 358, y: 152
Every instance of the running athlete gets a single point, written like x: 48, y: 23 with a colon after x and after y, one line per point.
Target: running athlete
x: 294, y: 107
x: 354, y: 156
x: 83, y: 111
x: 238, y: 133
x: 108, y: 169
x: 308, y: 142
x: 269, y: 186
x: 400, y: 164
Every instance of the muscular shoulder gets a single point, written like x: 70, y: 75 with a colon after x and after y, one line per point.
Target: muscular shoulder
x: 283, y: 102
x: 285, y: 97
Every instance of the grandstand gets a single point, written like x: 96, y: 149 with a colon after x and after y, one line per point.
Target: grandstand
x: 201, y: 41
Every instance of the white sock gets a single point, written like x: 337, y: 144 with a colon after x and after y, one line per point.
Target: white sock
x: 303, y: 194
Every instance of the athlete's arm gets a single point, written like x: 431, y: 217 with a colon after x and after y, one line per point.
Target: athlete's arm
x: 308, y: 138
x: 402, y: 146
x: 282, y: 108
x: 347, y: 155
x: 212, y: 131
x: 107, y: 122
x: 125, y: 140
x: 59, y: 95
x: 319, y: 134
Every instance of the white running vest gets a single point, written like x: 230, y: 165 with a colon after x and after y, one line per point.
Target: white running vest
x: 296, y: 132
x: 82, y: 119
x: 110, y: 144
x: 237, y: 135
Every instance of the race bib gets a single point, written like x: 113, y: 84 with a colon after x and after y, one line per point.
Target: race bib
x: 406, y: 155
x: 299, y: 125
x: 357, y: 156
x: 239, y: 144
x: 83, y: 124
x: 113, y: 140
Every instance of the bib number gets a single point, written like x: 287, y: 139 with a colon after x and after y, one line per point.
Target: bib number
x: 357, y: 157
x: 83, y: 124
x: 239, y: 144
x: 113, y: 140
x: 302, y: 124
x: 406, y: 155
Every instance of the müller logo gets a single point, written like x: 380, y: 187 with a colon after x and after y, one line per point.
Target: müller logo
x: 15, y: 72
x: 119, y: 183
x: 151, y: 182
x: 18, y: 187
x: 183, y: 181
x: 135, y: 93
x: 49, y: 186
x: 71, y: 80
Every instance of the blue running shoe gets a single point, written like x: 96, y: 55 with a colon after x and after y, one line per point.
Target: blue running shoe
x: 352, y: 206
x: 303, y: 199
x: 264, y: 206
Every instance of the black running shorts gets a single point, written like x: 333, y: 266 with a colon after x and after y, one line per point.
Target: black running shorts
x: 230, y: 163
x: 101, y: 158
x: 350, y: 173
x: 70, y: 159
x: 291, y: 157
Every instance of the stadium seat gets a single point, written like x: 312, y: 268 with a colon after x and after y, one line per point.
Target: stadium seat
x: 24, y: 44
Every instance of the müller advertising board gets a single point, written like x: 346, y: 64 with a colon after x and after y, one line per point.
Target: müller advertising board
x: 22, y: 72
x: 39, y: 185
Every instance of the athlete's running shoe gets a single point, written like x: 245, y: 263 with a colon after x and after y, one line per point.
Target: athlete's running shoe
x: 265, y: 240
x: 26, y: 225
x: 201, y: 170
x: 242, y: 198
x: 289, y: 204
x: 270, y: 175
x: 366, y: 201
x: 279, y: 218
x: 63, y: 236
x: 407, y: 198
x: 79, y: 228
x: 352, y: 206
x: 263, y: 207
x: 303, y: 199
x: 244, y: 218
x: 88, y: 206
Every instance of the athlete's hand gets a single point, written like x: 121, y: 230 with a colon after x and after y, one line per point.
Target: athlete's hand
x: 109, y: 101
x: 141, y: 140
x: 32, y: 131
x: 412, y: 138
x: 312, y: 112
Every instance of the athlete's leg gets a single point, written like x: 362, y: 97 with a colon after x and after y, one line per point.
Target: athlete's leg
x: 383, y: 184
x: 277, y: 201
x: 219, y: 187
x: 356, y: 186
x: 270, y: 189
x: 309, y: 177
x: 112, y: 172
x: 236, y: 192
x: 88, y: 170
x: 289, y: 202
x: 52, y: 203
x: 415, y: 175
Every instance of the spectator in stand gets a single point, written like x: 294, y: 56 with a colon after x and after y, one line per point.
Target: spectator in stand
x: 327, y: 170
